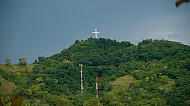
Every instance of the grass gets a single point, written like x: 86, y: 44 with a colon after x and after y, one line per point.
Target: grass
x: 6, y: 87
x: 17, y: 68
x: 168, y: 86
x: 123, y: 82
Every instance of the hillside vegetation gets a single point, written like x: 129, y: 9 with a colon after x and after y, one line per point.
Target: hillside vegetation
x: 17, y: 68
x: 123, y: 82
x: 154, y: 72
x: 6, y: 87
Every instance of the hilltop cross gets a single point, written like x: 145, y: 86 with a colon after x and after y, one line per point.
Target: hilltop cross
x: 96, y: 33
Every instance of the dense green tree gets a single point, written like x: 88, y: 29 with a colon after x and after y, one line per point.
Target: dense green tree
x: 22, y: 61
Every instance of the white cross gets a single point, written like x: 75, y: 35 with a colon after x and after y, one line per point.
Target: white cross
x: 96, y: 33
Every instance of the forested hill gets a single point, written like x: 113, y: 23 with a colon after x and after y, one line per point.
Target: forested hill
x: 154, y: 72
x: 95, y: 52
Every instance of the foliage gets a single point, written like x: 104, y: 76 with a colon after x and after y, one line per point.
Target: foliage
x: 154, y: 72
x: 22, y: 61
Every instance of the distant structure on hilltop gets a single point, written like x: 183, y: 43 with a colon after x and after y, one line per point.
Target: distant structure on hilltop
x: 96, y: 33
x: 22, y: 61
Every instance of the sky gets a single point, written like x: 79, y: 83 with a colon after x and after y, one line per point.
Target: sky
x: 34, y: 28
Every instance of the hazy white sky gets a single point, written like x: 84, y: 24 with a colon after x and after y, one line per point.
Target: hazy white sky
x: 33, y: 28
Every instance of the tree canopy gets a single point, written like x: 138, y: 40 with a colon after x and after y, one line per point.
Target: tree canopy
x: 154, y: 72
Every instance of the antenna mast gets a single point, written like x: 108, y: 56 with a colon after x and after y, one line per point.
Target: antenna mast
x: 81, y: 65
x: 97, y: 86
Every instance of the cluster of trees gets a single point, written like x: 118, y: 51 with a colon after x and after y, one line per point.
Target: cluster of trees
x: 160, y: 69
x: 22, y: 61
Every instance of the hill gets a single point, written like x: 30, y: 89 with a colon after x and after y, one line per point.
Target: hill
x: 154, y: 72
